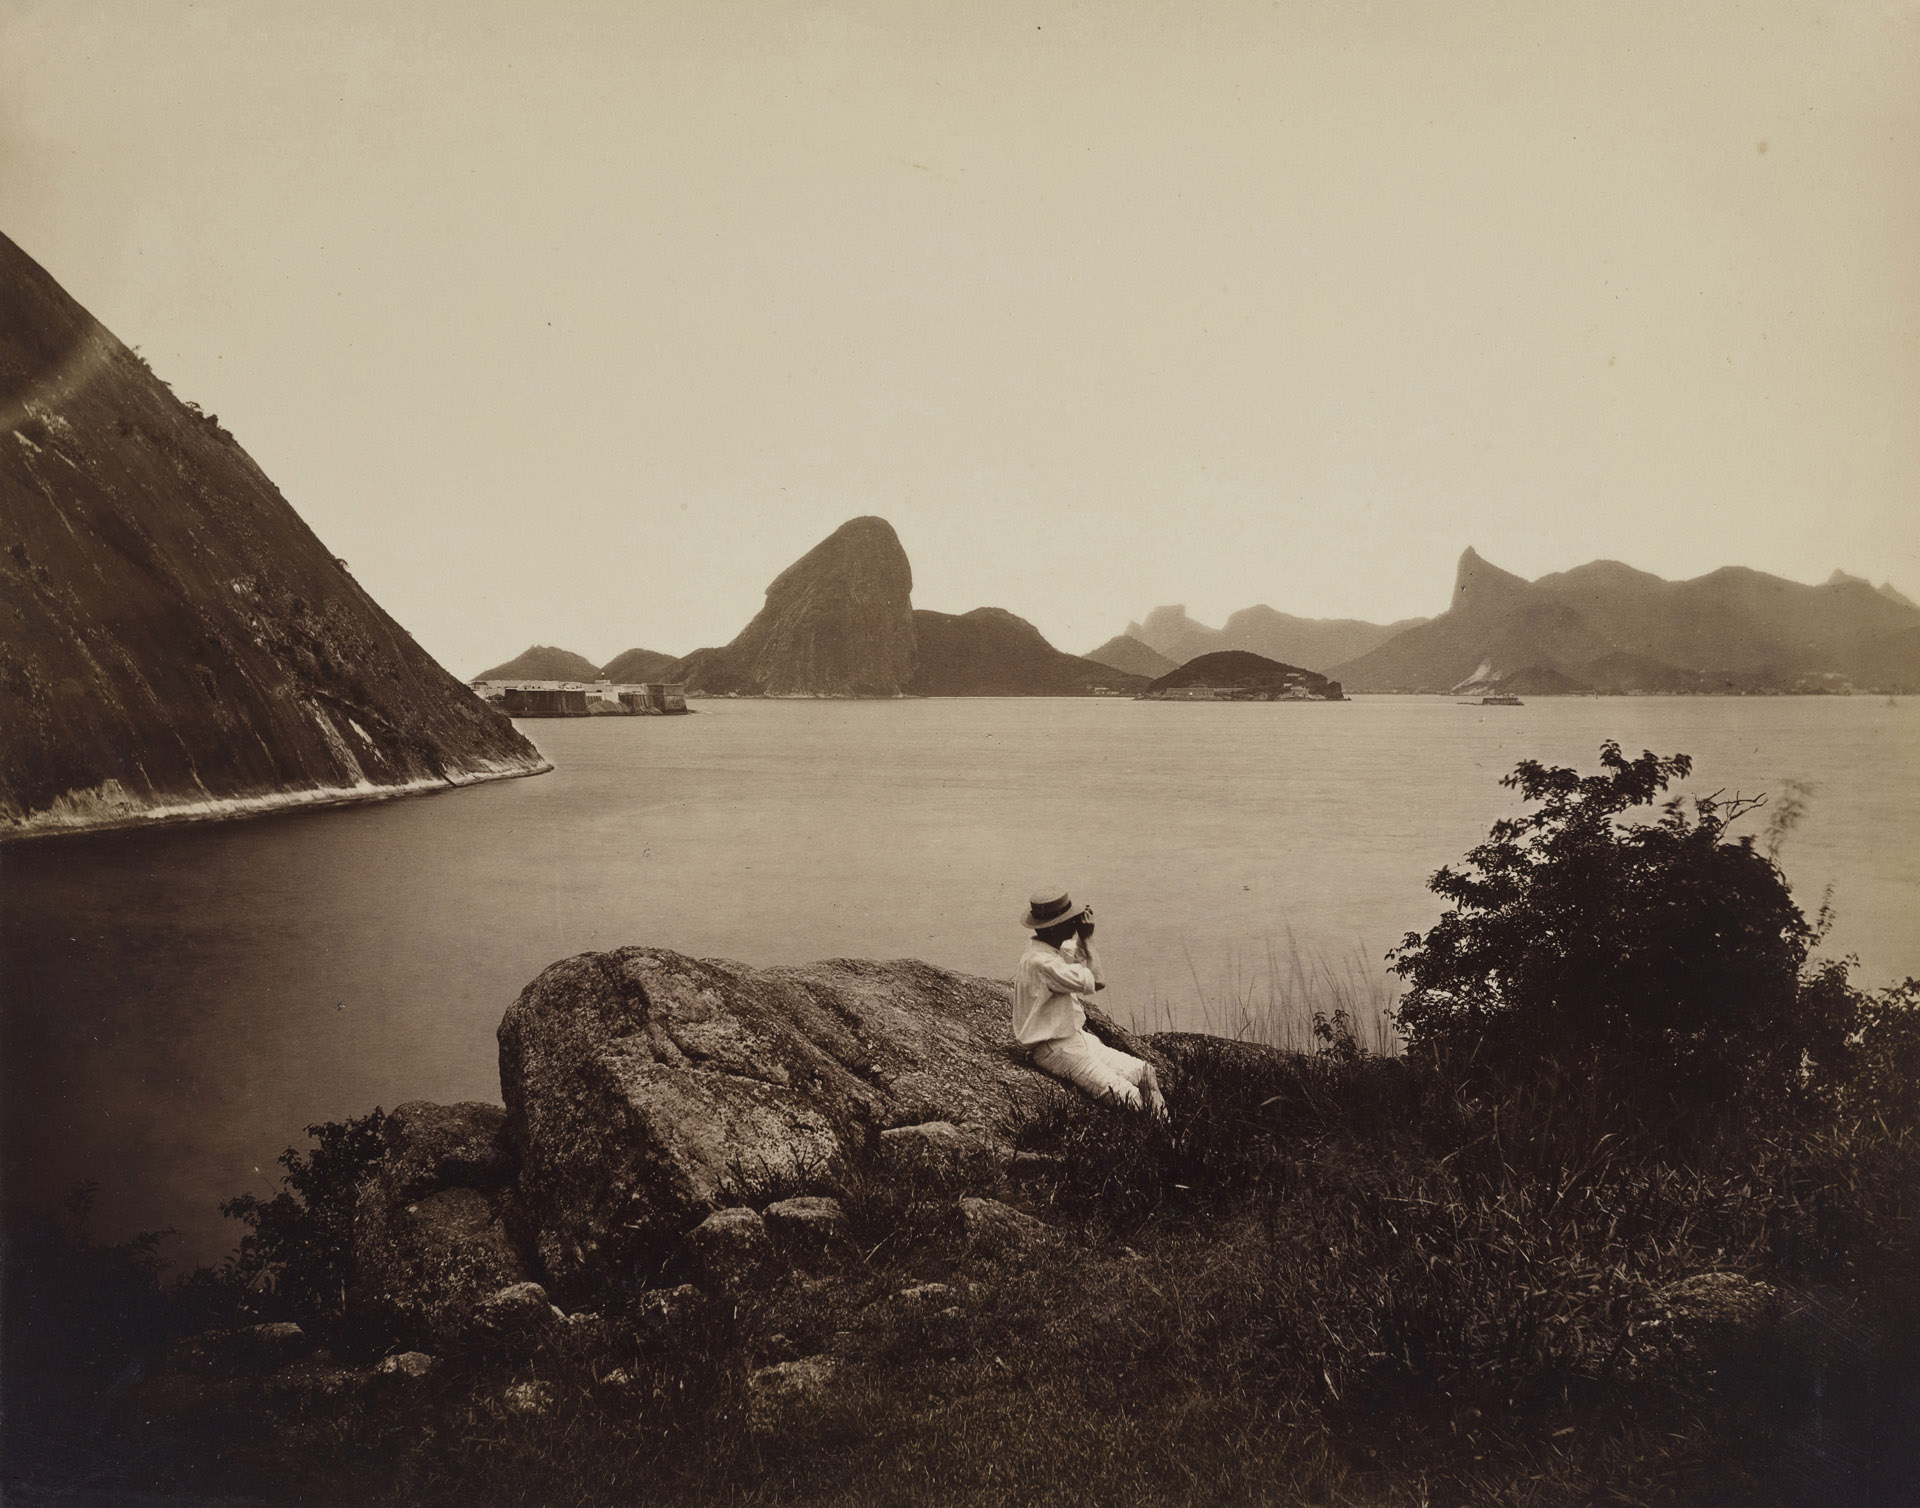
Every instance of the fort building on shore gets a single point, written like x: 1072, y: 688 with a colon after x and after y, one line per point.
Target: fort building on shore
x: 520, y: 698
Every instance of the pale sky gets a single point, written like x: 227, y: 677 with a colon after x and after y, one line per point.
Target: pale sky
x: 575, y: 321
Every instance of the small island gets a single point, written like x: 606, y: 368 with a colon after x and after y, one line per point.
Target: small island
x: 1238, y: 675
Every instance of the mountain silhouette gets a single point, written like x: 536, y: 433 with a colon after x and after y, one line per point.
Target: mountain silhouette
x: 1263, y: 631
x: 1605, y: 626
x: 990, y: 652
x: 1134, y: 656
x: 837, y: 622
x: 840, y: 621
x: 542, y: 662
x: 638, y: 665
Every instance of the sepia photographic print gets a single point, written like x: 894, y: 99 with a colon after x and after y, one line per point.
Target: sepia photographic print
x: 860, y: 754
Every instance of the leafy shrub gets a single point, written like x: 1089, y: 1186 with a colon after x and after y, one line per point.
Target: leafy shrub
x: 1662, y: 960
x: 299, y: 1250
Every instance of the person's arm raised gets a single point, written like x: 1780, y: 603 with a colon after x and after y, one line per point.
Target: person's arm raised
x: 1091, y: 959
x: 1069, y: 977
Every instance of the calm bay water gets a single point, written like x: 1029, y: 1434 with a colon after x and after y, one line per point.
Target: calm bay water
x: 179, y: 1004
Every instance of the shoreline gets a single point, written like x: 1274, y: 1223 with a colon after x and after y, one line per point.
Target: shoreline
x: 107, y: 807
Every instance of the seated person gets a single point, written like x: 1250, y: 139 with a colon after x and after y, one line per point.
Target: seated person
x: 1049, y: 1018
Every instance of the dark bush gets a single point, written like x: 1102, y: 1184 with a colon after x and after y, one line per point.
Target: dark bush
x: 298, y: 1254
x: 1663, y: 961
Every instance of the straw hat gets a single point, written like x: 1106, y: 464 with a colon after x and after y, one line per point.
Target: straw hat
x: 1049, y: 908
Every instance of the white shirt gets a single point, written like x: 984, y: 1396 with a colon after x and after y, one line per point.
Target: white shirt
x: 1047, y: 987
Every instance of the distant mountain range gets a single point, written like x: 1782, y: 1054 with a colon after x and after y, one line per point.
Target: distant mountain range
x: 177, y: 643
x: 1885, y: 589
x: 840, y: 621
x: 1262, y: 630
x: 1608, y: 627
x: 543, y: 662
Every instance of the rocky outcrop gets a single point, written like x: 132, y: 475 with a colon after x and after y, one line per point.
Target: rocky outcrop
x: 666, y: 1113
x: 543, y: 662
x: 645, y: 1090
x: 837, y: 622
x: 174, y: 641
x: 1605, y: 626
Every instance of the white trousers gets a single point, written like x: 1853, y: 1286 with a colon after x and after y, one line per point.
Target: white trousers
x: 1092, y: 1067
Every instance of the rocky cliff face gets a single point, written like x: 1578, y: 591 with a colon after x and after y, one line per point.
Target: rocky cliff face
x: 837, y: 622
x: 174, y: 641
x: 990, y: 652
x: 1607, y: 627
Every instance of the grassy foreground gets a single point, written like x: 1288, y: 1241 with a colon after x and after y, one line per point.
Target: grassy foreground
x: 1512, y: 1264
x: 1319, y: 1285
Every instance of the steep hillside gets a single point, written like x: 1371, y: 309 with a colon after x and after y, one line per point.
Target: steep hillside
x: 1264, y: 631
x: 638, y: 665
x: 1606, y: 626
x: 174, y: 641
x: 990, y: 652
x: 1128, y: 654
x: 837, y: 622
x: 542, y: 662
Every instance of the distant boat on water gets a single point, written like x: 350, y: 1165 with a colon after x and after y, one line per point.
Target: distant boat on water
x: 1502, y: 699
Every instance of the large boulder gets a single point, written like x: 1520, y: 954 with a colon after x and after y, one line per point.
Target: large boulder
x: 645, y: 1089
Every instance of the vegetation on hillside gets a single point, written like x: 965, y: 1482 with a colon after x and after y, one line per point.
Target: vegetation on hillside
x: 1631, y: 1219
